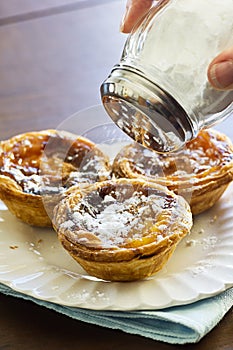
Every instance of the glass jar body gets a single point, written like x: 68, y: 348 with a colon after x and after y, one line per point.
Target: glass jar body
x: 171, y: 49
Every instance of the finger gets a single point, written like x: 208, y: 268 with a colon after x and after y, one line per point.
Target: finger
x: 135, y: 10
x: 220, y: 71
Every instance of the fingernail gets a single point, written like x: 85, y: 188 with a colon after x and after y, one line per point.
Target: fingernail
x: 221, y: 74
x: 127, y: 10
x: 122, y: 26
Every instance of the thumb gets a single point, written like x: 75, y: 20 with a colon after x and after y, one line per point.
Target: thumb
x: 220, y: 71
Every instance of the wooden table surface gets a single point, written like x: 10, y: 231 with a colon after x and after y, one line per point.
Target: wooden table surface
x: 54, y: 54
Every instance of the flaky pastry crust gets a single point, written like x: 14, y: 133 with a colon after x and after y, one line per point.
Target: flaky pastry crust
x: 200, y: 172
x: 121, y: 230
x: 37, y: 167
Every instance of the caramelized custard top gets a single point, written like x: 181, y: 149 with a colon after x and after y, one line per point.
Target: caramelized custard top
x: 208, y: 151
x: 120, y: 214
x: 44, y: 161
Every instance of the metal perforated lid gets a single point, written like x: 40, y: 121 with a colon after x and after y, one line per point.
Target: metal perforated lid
x: 144, y: 111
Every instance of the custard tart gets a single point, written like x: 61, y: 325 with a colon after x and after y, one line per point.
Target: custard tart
x: 37, y: 167
x: 122, y: 229
x: 200, y: 172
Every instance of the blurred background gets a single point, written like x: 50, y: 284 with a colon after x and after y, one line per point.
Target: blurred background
x: 54, y: 55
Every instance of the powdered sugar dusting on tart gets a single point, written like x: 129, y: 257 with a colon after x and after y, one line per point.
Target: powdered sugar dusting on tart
x: 50, y: 161
x: 200, y: 155
x: 122, y: 216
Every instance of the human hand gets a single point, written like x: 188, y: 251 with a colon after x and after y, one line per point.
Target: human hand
x: 220, y: 70
x: 135, y: 10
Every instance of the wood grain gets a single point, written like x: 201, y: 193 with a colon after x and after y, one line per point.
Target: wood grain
x: 52, y: 67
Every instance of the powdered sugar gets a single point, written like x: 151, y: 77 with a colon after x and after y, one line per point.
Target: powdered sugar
x: 184, y: 41
x: 121, y: 216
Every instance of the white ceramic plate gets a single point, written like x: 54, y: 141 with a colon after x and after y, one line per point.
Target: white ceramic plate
x: 33, y: 262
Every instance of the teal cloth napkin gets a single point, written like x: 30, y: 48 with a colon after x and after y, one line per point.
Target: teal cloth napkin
x: 175, y: 325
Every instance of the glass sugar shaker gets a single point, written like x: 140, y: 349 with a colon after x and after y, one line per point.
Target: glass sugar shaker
x: 159, y: 93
